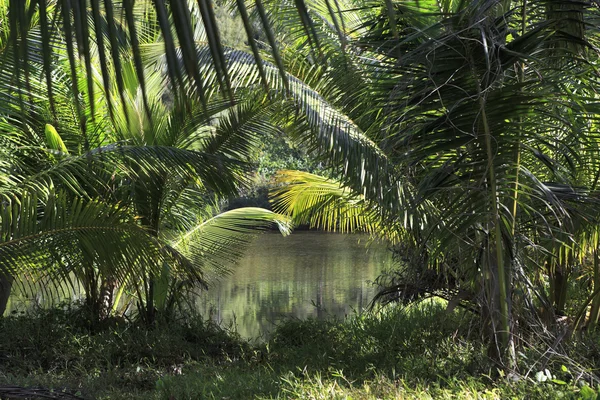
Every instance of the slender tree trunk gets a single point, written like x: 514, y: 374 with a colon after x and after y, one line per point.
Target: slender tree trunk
x: 560, y: 297
x: 107, y: 288
x: 500, y: 319
x: 559, y: 280
x: 92, y: 300
x: 150, y: 309
x: 515, y: 194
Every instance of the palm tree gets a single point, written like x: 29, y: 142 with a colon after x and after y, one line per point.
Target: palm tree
x: 214, y: 146
x: 149, y: 164
x: 466, y: 105
x: 448, y: 118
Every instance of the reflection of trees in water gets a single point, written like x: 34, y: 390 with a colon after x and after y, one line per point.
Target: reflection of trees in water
x: 25, y: 296
x: 314, y: 275
x: 257, y: 308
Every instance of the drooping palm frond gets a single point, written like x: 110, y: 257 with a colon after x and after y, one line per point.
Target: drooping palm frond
x: 324, y: 203
x: 322, y: 128
x: 50, y: 239
x: 115, y: 28
x: 215, y: 244
x: 217, y: 173
x: 236, y: 133
x: 331, y: 132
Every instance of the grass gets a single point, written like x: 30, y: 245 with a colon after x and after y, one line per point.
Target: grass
x: 419, y: 353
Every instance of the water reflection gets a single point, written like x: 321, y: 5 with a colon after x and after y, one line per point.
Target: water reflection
x: 307, y: 274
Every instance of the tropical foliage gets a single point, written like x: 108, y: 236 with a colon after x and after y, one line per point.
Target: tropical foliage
x: 462, y: 131
x: 119, y: 194
x: 477, y: 127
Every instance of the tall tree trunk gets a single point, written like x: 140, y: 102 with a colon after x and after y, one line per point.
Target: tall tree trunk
x: 499, y: 270
x: 150, y: 309
x: 559, y: 279
x: 148, y: 206
x: 105, y: 297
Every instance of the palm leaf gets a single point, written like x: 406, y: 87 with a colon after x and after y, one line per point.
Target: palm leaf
x: 215, y: 244
x: 51, y: 240
x: 323, y: 203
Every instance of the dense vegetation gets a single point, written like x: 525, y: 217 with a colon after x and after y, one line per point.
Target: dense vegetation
x: 462, y: 132
x: 432, y: 354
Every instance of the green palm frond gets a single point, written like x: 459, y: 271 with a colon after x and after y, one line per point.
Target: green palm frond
x: 77, y: 173
x: 218, y: 242
x: 112, y: 29
x: 323, y: 203
x: 51, y: 239
x: 236, y: 132
x: 323, y: 128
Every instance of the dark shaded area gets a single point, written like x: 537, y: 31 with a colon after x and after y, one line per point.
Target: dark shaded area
x: 17, y: 392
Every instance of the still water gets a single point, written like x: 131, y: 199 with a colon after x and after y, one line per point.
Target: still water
x: 306, y: 274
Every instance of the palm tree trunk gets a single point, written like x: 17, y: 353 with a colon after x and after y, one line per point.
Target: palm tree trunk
x: 153, y: 222
x: 106, y: 297
x: 500, y: 317
x: 150, y: 314
x: 560, y: 297
x: 559, y: 277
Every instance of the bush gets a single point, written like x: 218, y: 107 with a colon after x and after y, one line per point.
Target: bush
x: 57, y: 347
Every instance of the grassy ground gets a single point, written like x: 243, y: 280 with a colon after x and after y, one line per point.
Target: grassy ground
x: 420, y: 353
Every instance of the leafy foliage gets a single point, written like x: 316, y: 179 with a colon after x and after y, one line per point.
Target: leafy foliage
x: 464, y: 130
x: 473, y: 122
x: 120, y: 187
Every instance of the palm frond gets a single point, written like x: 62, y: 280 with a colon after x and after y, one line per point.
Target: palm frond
x: 217, y: 243
x: 51, y: 239
x: 220, y: 174
x: 323, y: 203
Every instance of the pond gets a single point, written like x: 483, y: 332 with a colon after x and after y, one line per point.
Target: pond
x: 307, y: 274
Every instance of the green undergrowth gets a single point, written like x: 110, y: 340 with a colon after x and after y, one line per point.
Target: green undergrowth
x: 420, y: 352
